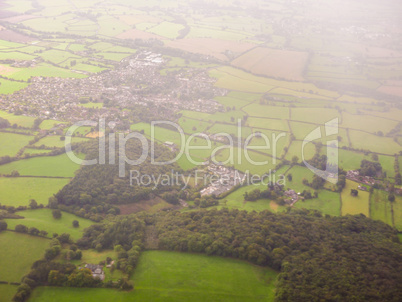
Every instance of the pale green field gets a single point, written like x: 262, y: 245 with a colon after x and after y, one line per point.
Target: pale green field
x: 374, y: 143
x: 52, y: 166
x: 275, y: 124
x: 18, y: 191
x: 314, y: 115
x: 48, y: 124
x: 20, y: 120
x: 55, y: 141
x: 9, y: 87
x: 257, y: 110
x: 11, y: 143
x: 354, y: 205
x: 367, y: 123
x: 296, y: 149
x: 167, y: 29
x: 42, y: 219
x: 18, y: 252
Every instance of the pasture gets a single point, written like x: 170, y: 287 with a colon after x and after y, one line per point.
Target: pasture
x: 380, y: 207
x: 397, y: 210
x: 7, y: 292
x: 56, y: 141
x: 266, y: 111
x: 172, y: 277
x: 354, y: 205
x: 18, y: 252
x: 42, y: 219
x: 373, y: 143
x: 20, y: 120
x: 11, y: 143
x: 327, y: 203
x: 50, y: 166
x: 18, y: 191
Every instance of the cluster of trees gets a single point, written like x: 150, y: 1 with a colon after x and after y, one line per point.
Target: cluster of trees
x: 368, y: 168
x: 303, y: 245
x: 20, y: 228
x: 4, y: 123
x: 269, y: 193
x: 124, y: 234
x: 398, y: 177
x: 317, y: 182
x: 100, y: 185
x: 206, y: 202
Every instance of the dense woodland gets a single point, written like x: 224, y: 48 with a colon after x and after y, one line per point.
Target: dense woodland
x: 349, y: 258
x: 97, y: 188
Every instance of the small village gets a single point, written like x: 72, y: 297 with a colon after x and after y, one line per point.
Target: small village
x: 136, y: 83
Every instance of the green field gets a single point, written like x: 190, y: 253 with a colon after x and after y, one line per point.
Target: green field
x: 20, y: 120
x: 18, y: 252
x: 42, y: 219
x: 11, y: 143
x: 7, y: 292
x: 52, y: 166
x: 380, y: 207
x: 172, y: 277
x: 327, y: 203
x: 55, y: 141
x: 354, y: 205
x: 397, y: 210
x: 48, y: 124
x: 18, y: 191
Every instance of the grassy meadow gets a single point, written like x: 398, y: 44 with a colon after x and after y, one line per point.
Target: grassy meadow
x: 42, y: 219
x: 49, y: 166
x: 355, y: 205
x: 171, y: 276
x: 18, y: 252
x: 17, y: 191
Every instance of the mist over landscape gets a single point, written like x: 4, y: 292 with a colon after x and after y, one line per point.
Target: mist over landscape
x: 230, y: 151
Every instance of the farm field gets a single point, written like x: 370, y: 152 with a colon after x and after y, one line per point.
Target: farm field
x: 327, y: 203
x: 265, y: 111
x: 245, y: 160
x: 370, y: 124
x: 18, y: 252
x: 270, y: 62
x: 47, y: 166
x: 171, y: 276
x: 296, y: 149
x: 20, y: 120
x: 7, y: 292
x: 373, y: 143
x: 17, y: 191
x: 11, y: 143
x: 265, y: 123
x: 42, y: 219
x: 380, y: 207
x: 397, y: 210
x: 298, y: 174
x: 354, y: 205
x: 55, y: 140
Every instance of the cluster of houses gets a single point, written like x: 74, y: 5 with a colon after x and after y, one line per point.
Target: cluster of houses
x: 222, y: 179
x: 291, y: 197
x: 354, y: 175
x: 135, y: 82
